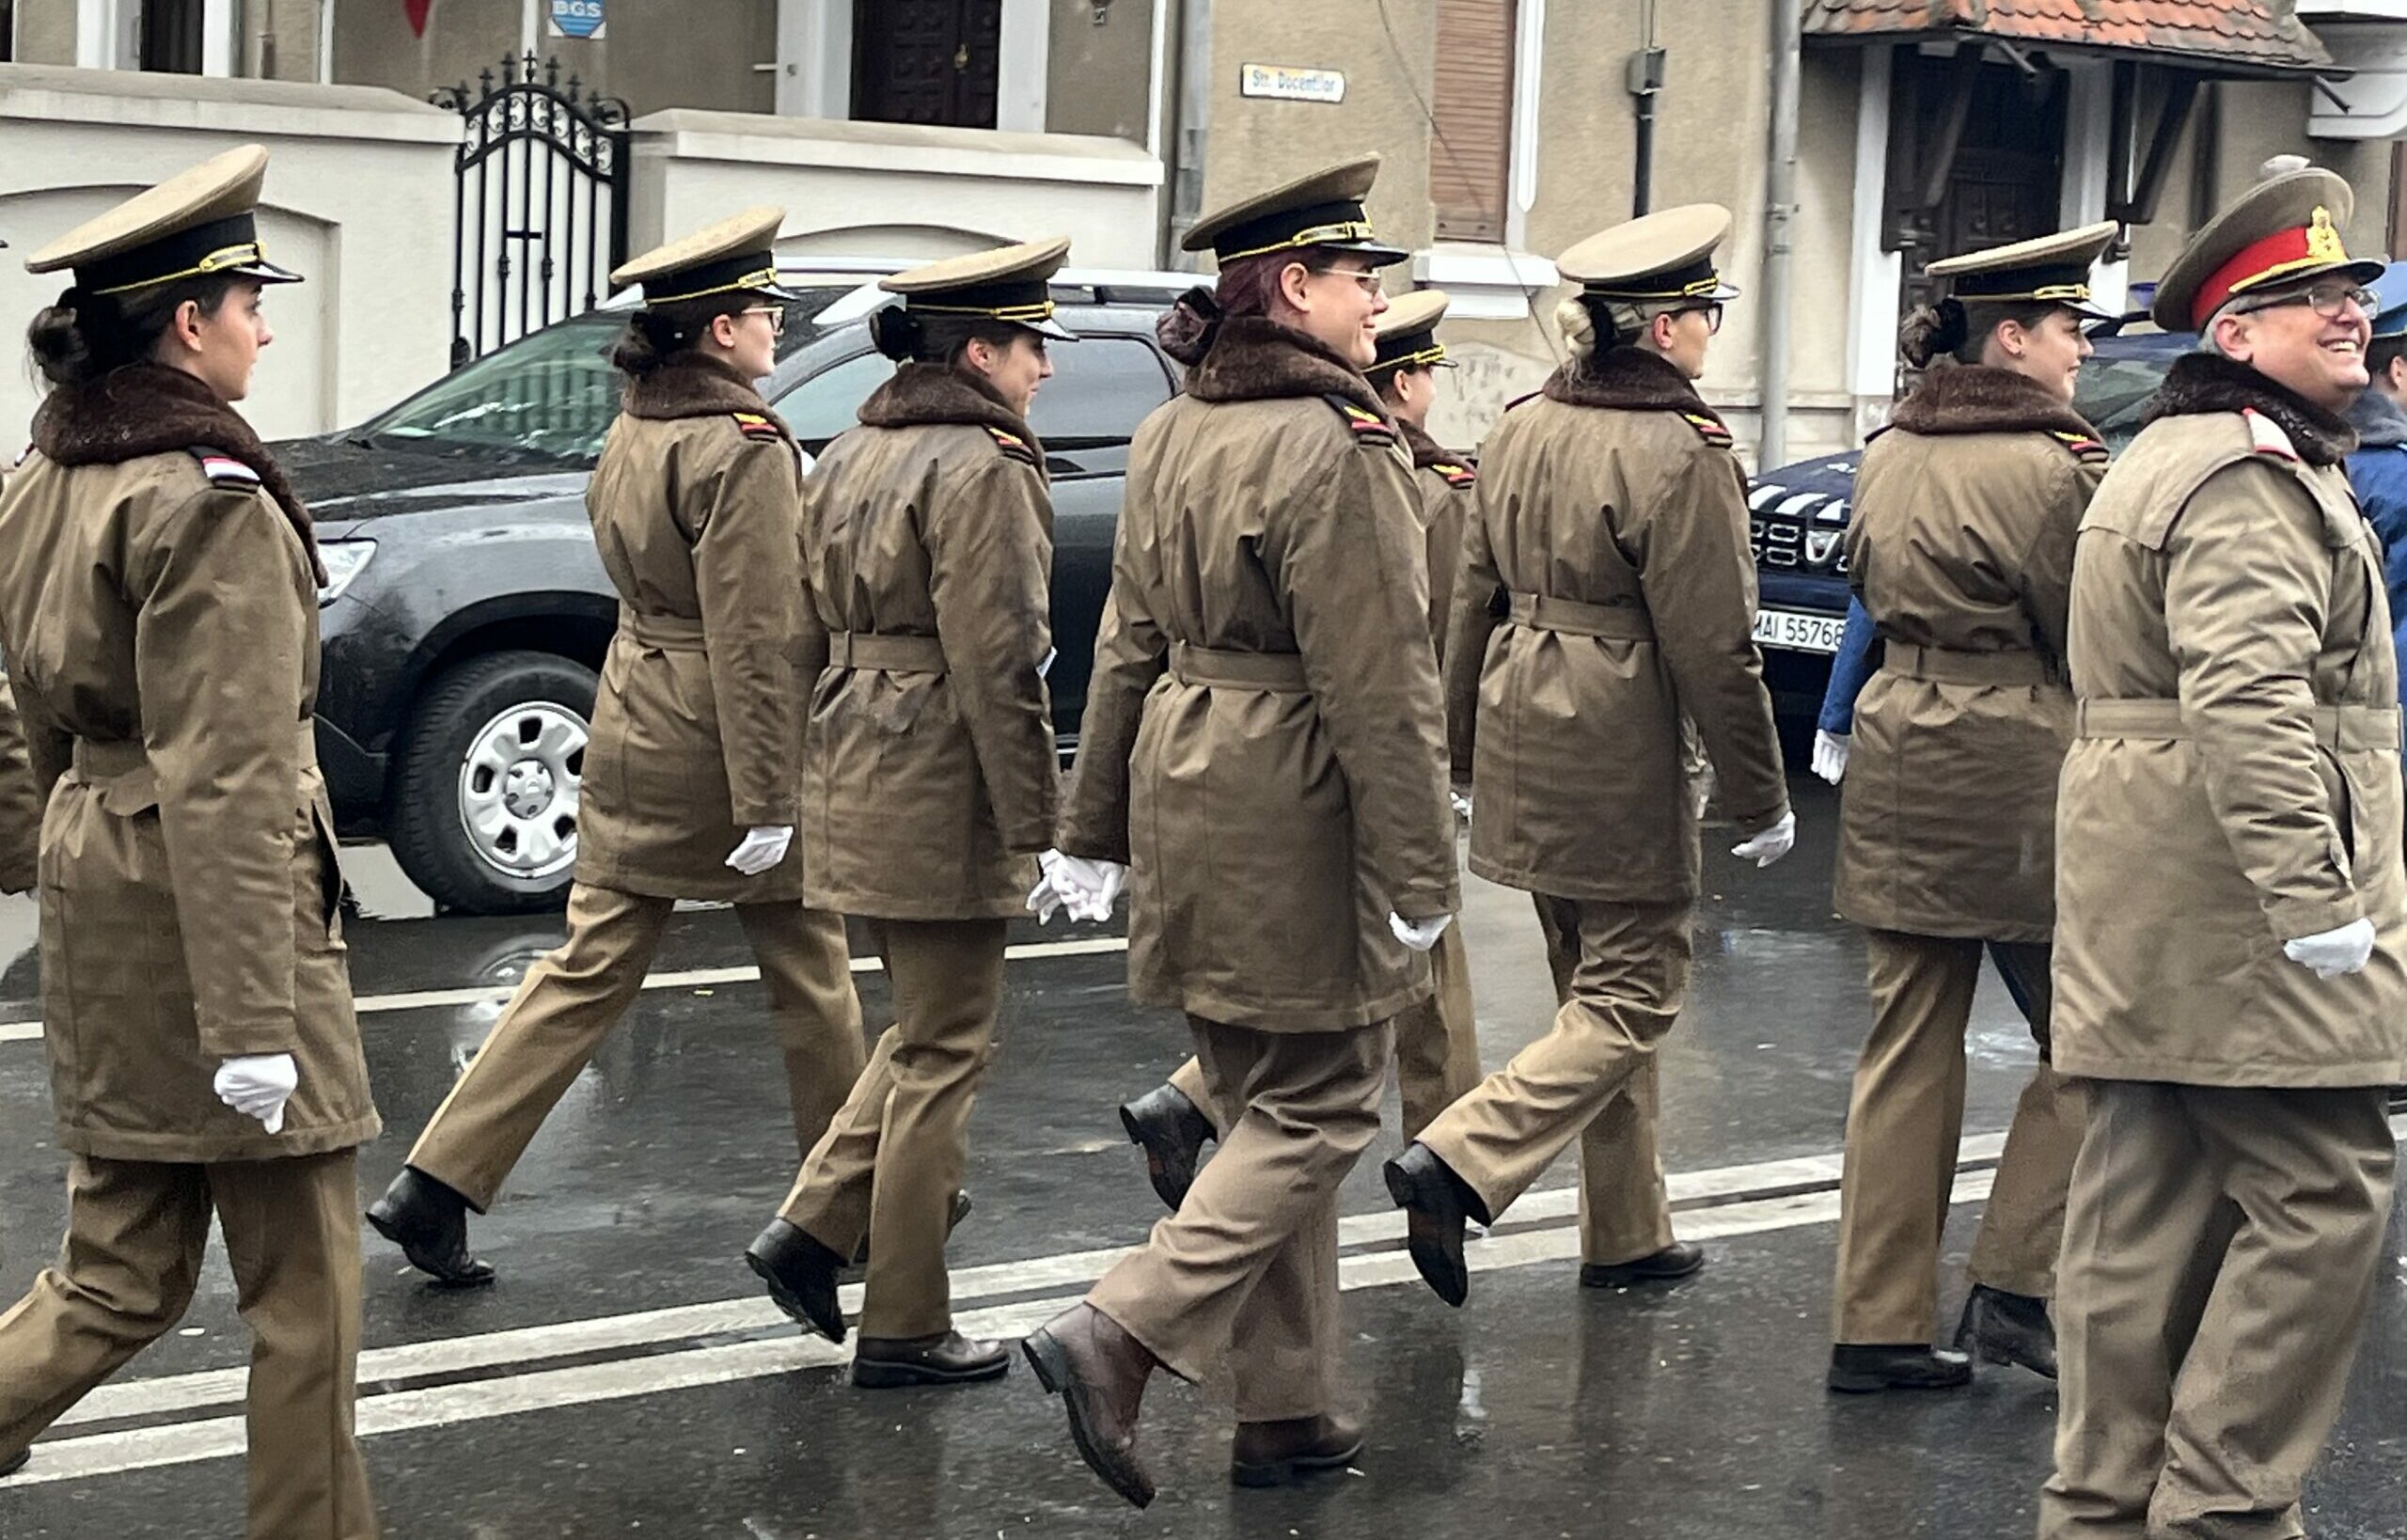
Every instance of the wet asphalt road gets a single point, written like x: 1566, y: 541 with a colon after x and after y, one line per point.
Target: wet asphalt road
x: 626, y: 1378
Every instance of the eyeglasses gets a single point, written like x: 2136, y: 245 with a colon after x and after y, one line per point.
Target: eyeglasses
x: 1368, y: 282
x: 2330, y: 300
x: 777, y: 314
x: 1713, y: 314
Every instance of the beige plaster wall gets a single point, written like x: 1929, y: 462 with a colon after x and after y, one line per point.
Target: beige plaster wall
x: 45, y: 31
x: 656, y: 53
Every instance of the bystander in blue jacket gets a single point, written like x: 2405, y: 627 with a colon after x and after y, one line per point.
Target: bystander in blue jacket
x: 2377, y: 470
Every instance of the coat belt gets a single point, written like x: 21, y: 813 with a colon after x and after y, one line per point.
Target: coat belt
x: 665, y: 632
x: 122, y: 766
x: 891, y: 653
x: 1619, y: 623
x: 1947, y: 665
x: 2337, y: 728
x: 1281, y: 673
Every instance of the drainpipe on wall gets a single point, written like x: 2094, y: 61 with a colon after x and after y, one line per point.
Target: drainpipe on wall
x: 1780, y: 210
x: 1188, y: 129
x: 1646, y: 83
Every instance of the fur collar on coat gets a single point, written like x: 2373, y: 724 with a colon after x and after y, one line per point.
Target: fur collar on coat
x: 1628, y: 380
x: 1975, y: 399
x: 2203, y: 383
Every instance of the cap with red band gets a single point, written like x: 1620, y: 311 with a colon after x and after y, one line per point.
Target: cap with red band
x: 2282, y: 231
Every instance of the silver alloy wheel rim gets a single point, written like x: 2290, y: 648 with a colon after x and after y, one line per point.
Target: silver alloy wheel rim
x: 519, y: 786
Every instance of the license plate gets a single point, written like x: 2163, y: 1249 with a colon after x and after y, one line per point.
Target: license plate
x: 1797, y: 631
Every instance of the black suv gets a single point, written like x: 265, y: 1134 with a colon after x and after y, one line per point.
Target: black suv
x: 467, y: 613
x: 1798, y: 513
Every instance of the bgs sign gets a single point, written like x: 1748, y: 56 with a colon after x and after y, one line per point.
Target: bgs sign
x: 579, y: 19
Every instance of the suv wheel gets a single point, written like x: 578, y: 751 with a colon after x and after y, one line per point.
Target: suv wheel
x: 485, y: 802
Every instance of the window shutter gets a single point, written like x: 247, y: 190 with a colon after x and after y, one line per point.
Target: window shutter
x: 1471, y: 142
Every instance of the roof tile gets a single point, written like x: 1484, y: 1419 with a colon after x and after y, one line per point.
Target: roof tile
x: 2252, y: 31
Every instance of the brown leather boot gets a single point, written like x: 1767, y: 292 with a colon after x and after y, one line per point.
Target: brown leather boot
x: 1099, y: 1372
x: 1273, y: 1453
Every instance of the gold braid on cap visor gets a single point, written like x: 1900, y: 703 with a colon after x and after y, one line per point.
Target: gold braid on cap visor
x: 1434, y: 353
x: 1319, y: 235
x: 1022, y: 314
x: 2070, y: 293
x: 217, y: 261
x: 1704, y: 286
x: 765, y: 278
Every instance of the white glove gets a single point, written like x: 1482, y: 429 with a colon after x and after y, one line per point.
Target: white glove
x: 1771, y: 844
x: 1053, y: 889
x: 1830, y: 755
x: 1086, y: 889
x: 2331, y: 953
x: 1460, y: 797
x: 761, y: 848
x: 1417, y: 934
x: 258, y: 1086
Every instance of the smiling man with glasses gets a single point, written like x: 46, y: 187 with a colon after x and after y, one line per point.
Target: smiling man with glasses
x: 2231, y: 933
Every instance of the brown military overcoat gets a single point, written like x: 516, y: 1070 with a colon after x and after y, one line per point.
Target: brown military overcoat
x: 1272, y: 825
x: 21, y: 801
x: 929, y: 788
x: 2234, y: 782
x: 1613, y: 517
x: 1449, y: 489
x: 697, y: 726
x: 160, y: 619
x: 1960, y: 547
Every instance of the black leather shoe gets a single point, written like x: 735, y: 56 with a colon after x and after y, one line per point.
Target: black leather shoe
x: 2006, y: 1328
x: 1274, y: 1453
x: 429, y: 1221
x: 1856, y: 1368
x: 1099, y: 1371
x: 1676, y: 1261
x: 885, y: 1363
x: 801, y: 1276
x: 858, y: 1268
x: 16, y: 1462
x: 1173, y: 1132
x: 1436, y: 1203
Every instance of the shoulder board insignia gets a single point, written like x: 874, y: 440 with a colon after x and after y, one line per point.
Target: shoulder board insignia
x: 756, y: 425
x: 1455, y: 475
x: 1012, y: 445
x: 1368, y: 427
x: 1707, y: 428
x: 2265, y: 436
x: 2089, y: 450
x: 226, y: 471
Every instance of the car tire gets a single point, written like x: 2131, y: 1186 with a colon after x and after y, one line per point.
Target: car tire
x: 483, y: 802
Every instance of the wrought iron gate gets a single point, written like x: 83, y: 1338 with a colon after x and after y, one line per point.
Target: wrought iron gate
x: 539, y: 201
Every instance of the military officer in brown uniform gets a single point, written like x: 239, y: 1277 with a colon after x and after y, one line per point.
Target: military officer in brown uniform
x: 1263, y: 757
x: 2231, y: 916
x: 1961, y: 547
x: 1613, y: 517
x: 1437, y: 1042
x: 159, y: 613
x: 929, y: 780
x: 691, y: 788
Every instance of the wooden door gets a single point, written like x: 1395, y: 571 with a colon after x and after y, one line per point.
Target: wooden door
x: 926, y: 61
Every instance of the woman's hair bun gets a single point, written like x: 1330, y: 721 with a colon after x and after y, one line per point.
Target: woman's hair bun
x: 1933, y: 331
x: 1187, y: 329
x: 895, y: 331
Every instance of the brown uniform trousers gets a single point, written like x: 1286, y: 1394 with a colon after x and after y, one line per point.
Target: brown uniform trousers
x: 135, y: 1234
x: 2220, y: 1258
x: 569, y: 1001
x: 1622, y: 974
x: 1248, y: 1265
x: 889, y: 1164
x: 1437, y: 1045
x: 1909, y: 1106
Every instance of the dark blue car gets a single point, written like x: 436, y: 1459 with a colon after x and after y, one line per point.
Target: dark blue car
x: 1798, y: 513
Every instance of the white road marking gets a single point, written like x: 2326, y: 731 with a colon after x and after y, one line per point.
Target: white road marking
x: 217, y: 1437
x: 702, y: 978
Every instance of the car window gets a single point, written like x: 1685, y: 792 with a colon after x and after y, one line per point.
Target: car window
x: 549, y: 396
x: 1102, y: 388
x: 827, y: 402
x: 2110, y: 393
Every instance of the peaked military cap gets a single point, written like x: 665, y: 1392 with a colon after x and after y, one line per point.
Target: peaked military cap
x: 2046, y: 267
x: 197, y: 223
x: 1407, y: 333
x: 1322, y: 210
x: 2281, y: 233
x: 735, y: 256
x: 2390, y: 301
x: 1008, y: 283
x: 1659, y: 257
